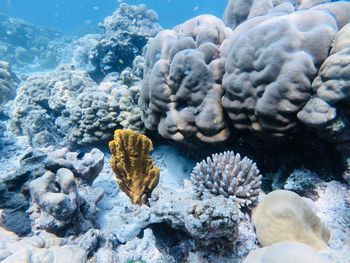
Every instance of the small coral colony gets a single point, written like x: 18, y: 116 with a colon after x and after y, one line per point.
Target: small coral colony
x: 270, y: 81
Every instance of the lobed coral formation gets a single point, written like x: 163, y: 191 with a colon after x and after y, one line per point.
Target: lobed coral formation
x: 261, y: 71
x: 182, y: 87
x: 228, y: 175
x: 283, y: 216
x: 256, y: 96
x: 133, y: 166
x: 239, y: 11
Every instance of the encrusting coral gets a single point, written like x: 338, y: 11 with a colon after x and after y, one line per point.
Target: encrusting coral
x: 228, y: 175
x: 133, y: 166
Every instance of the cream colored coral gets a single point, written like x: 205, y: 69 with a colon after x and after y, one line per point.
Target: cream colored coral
x: 286, y: 252
x: 284, y: 216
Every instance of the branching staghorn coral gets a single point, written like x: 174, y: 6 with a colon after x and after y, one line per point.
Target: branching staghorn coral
x: 133, y: 166
x: 228, y: 175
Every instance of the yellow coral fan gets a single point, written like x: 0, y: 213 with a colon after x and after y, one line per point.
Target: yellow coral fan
x: 133, y: 166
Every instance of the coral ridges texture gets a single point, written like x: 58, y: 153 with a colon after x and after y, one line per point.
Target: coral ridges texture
x: 201, y: 78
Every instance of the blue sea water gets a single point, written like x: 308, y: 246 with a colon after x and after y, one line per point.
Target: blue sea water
x: 74, y: 16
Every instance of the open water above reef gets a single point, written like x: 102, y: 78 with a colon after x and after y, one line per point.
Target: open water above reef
x: 174, y: 131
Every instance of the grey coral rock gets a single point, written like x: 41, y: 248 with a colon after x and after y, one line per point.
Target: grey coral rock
x: 228, y: 175
x: 208, y: 221
x: 62, y: 199
x: 181, y: 90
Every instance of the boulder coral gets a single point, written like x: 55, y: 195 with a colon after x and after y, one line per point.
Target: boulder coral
x: 182, y: 88
x: 228, y: 175
x: 283, y: 216
x: 203, y: 79
x: 132, y: 164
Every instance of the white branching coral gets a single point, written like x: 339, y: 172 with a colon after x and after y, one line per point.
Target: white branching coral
x: 228, y: 175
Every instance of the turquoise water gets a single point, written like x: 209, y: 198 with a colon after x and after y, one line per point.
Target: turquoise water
x: 73, y: 16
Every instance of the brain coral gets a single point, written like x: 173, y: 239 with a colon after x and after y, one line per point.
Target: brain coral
x: 228, y: 175
x: 182, y: 87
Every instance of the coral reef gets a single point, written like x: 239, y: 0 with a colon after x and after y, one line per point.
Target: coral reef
x: 228, y: 175
x: 182, y: 87
x: 126, y: 32
x: 38, y: 247
x: 131, y: 162
x: 288, y: 252
x: 66, y: 105
x: 29, y: 47
x: 8, y: 84
x: 284, y: 216
x: 41, y: 103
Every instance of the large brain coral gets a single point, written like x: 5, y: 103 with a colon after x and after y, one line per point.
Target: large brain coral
x: 182, y: 81
x: 270, y: 67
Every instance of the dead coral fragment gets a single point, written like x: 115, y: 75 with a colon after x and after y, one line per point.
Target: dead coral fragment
x: 134, y: 168
x: 227, y: 175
